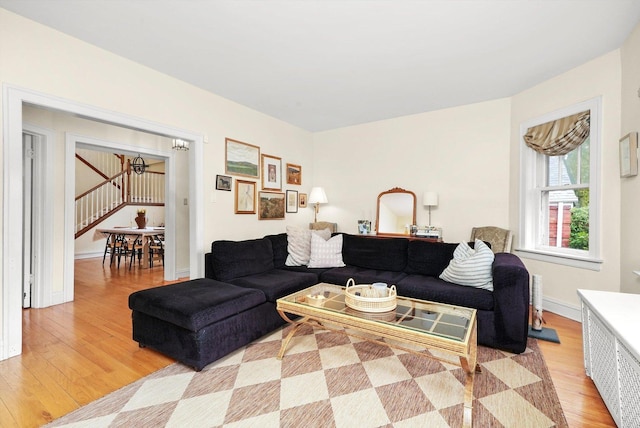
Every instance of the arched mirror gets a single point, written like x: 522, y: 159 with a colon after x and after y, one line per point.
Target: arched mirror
x: 396, y: 210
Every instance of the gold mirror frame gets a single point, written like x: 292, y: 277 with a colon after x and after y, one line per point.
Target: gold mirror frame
x: 395, y: 191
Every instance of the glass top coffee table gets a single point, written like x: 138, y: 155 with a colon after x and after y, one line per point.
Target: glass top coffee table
x: 424, y: 324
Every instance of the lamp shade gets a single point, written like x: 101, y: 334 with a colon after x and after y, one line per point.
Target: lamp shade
x: 317, y: 196
x: 430, y: 199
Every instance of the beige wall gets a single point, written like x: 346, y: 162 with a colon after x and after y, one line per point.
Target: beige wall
x: 39, y: 58
x: 600, y: 77
x: 461, y: 153
x: 43, y: 60
x: 630, y: 187
x: 468, y: 154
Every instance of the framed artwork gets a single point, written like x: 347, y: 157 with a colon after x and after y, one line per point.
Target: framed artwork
x: 294, y: 174
x: 271, y: 172
x: 292, y: 201
x: 629, y: 155
x: 302, y: 200
x: 223, y: 182
x: 241, y: 158
x: 245, y: 197
x: 270, y: 205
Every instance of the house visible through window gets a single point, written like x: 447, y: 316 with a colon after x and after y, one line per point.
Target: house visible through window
x: 559, y: 213
x: 566, y: 194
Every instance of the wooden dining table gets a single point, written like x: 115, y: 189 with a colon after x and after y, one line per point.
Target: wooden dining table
x: 146, y: 236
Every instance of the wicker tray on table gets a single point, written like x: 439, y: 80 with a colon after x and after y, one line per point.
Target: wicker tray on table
x: 364, y: 298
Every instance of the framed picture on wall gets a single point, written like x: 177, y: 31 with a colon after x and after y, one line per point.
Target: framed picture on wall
x: 270, y: 205
x: 294, y: 174
x: 245, y: 197
x: 241, y: 158
x: 292, y: 201
x: 628, y: 155
x: 302, y: 200
x: 271, y: 172
x: 223, y: 182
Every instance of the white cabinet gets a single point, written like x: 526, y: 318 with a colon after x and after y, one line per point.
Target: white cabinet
x: 611, y: 340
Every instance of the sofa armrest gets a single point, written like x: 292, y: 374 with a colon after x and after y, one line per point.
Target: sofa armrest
x: 511, y: 301
x: 208, y: 266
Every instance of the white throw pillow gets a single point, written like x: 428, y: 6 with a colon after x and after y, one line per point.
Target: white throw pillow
x: 299, y: 244
x: 326, y: 253
x: 471, y: 267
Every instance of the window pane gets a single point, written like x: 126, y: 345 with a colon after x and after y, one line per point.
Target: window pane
x: 572, y: 168
x: 568, y: 218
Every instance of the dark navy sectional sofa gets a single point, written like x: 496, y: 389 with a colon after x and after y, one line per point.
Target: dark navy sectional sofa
x: 201, y: 320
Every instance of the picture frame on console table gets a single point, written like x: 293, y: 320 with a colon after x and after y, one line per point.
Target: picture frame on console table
x: 629, y: 155
x: 292, y: 201
x: 271, y: 205
x: 245, y: 202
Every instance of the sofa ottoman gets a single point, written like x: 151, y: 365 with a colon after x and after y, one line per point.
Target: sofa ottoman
x: 198, y: 321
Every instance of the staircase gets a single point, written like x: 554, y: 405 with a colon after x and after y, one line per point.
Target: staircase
x: 117, y: 188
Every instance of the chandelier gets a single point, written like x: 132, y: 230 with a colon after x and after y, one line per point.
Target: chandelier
x: 138, y: 165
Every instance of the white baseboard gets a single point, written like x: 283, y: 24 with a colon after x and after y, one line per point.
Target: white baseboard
x: 183, y: 273
x: 79, y: 256
x: 562, y: 308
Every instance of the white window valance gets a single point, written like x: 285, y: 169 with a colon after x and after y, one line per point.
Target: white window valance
x: 560, y: 136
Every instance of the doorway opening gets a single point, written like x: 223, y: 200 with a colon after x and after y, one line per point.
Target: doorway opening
x: 13, y: 247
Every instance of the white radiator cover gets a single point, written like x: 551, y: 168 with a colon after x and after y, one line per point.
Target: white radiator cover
x: 611, y: 342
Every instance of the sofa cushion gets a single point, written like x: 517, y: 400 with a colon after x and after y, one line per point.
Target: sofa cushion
x: 428, y: 258
x: 195, y: 304
x: 471, y: 266
x: 437, y: 290
x: 325, y: 253
x: 360, y: 275
x: 279, y: 245
x: 386, y: 254
x: 278, y: 282
x: 299, y: 244
x: 234, y: 259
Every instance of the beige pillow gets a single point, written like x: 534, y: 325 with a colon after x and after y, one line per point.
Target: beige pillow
x: 299, y: 244
x: 326, y: 253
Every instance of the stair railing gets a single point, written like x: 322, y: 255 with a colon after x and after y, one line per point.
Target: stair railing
x: 114, y: 193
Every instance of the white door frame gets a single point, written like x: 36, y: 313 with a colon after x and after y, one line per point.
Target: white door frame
x: 13, y: 98
x: 43, y: 200
x: 29, y: 147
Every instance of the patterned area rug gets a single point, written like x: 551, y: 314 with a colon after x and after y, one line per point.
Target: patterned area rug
x: 329, y: 379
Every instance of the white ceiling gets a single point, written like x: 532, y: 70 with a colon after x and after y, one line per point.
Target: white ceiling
x: 326, y: 64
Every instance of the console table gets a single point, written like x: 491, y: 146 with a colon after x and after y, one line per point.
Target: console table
x: 611, y: 343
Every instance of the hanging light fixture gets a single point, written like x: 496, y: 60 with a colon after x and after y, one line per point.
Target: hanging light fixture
x: 138, y: 165
x: 180, y: 144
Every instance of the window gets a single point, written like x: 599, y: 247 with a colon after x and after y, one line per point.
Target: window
x: 559, y: 206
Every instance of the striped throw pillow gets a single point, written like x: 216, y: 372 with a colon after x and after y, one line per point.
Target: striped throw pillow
x: 471, y: 267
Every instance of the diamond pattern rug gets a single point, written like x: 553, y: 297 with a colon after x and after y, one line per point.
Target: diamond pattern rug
x: 329, y: 379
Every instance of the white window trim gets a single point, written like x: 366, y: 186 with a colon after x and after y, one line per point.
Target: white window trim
x: 530, y: 210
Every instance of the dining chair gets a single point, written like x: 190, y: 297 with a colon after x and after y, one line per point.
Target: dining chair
x: 117, y: 247
x: 156, y: 249
x: 136, y: 246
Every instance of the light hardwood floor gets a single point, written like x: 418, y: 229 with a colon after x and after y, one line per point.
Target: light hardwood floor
x: 77, y: 352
